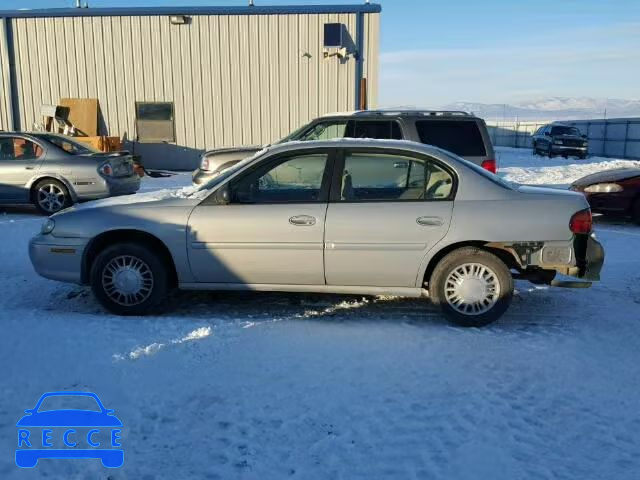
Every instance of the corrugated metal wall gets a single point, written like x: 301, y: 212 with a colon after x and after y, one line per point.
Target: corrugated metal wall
x: 234, y: 79
x: 6, y: 121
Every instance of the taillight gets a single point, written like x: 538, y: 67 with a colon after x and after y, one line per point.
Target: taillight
x: 106, y: 169
x: 581, y: 222
x: 490, y: 165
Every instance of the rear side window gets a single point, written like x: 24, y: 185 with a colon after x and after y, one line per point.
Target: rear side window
x: 387, y: 177
x: 457, y: 136
x: 381, y: 130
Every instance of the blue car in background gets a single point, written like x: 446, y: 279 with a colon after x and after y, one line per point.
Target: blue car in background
x: 51, y: 433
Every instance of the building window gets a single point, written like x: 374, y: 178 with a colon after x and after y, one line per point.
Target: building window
x: 155, y: 122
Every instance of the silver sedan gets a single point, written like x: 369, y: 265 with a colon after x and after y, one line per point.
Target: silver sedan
x: 54, y: 171
x: 352, y: 216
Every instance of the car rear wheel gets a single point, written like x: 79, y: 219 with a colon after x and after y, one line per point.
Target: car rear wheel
x: 130, y: 279
x: 472, y: 287
x: 50, y: 196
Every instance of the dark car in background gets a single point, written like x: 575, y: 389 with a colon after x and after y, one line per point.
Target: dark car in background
x: 612, y: 192
x: 458, y: 132
x: 561, y: 140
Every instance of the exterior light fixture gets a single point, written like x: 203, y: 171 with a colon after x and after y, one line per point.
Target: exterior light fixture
x: 179, y: 20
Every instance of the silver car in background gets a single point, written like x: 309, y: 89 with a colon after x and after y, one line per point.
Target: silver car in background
x: 351, y: 216
x: 54, y: 171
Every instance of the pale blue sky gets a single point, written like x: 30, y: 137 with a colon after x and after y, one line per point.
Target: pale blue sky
x: 494, y: 51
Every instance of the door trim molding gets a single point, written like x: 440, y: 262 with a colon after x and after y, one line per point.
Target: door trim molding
x: 340, y: 289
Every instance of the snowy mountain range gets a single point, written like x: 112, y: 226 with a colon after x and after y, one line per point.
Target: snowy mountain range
x: 552, y: 108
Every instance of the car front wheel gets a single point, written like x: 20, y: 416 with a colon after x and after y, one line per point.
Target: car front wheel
x: 129, y: 279
x: 472, y: 287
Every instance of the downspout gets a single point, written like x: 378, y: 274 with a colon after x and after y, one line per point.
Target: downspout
x: 359, y: 57
x: 9, y: 73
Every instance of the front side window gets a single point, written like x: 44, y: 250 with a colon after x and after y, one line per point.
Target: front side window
x: 388, y: 177
x: 461, y: 137
x: 327, y: 130
x: 16, y: 148
x: 293, y: 180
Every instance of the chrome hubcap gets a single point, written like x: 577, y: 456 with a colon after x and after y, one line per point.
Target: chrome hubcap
x: 127, y: 280
x: 472, y: 289
x: 50, y: 198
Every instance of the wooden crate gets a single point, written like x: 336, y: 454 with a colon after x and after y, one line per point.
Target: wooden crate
x: 102, y: 143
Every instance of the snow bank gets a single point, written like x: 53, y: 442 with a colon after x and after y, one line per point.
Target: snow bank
x: 521, y: 166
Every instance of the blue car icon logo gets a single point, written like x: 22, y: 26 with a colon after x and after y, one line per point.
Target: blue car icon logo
x: 83, y: 429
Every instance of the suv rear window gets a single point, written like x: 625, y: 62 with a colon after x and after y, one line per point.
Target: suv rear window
x: 457, y: 136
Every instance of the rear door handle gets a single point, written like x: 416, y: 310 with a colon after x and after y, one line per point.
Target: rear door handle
x: 29, y: 168
x: 430, y: 221
x: 303, y: 220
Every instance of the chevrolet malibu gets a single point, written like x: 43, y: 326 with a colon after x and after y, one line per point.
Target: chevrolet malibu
x: 343, y: 216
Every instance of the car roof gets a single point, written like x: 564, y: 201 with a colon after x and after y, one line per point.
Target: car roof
x: 406, y: 113
x: 355, y: 143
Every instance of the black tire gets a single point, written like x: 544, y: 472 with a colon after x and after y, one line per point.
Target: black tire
x: 50, y: 196
x: 635, y: 211
x: 535, y: 149
x: 150, y: 298
x: 550, y: 152
x: 461, y: 258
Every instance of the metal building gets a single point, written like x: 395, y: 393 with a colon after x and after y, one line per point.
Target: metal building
x: 174, y: 81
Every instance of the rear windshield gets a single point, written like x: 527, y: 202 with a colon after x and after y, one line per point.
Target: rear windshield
x: 70, y: 146
x: 457, y: 136
x: 564, y: 131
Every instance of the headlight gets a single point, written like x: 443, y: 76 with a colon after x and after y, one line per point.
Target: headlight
x: 48, y: 226
x: 557, y: 142
x: 604, y: 188
x: 204, y: 163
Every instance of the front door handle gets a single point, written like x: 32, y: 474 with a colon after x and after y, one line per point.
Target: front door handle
x: 430, y: 221
x: 302, y: 220
x: 29, y: 168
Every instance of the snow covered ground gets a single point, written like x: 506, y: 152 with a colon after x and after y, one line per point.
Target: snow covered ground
x: 271, y: 386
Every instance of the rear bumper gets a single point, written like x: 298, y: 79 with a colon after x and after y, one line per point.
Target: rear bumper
x: 589, y: 257
x: 57, y: 258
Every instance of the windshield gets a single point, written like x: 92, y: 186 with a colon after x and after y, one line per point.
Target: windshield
x: 72, y: 147
x: 565, y: 131
x: 69, y: 402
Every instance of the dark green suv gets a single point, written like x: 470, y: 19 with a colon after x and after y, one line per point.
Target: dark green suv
x: 558, y: 139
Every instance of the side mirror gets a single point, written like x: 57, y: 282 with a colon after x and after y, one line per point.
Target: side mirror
x: 223, y: 196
